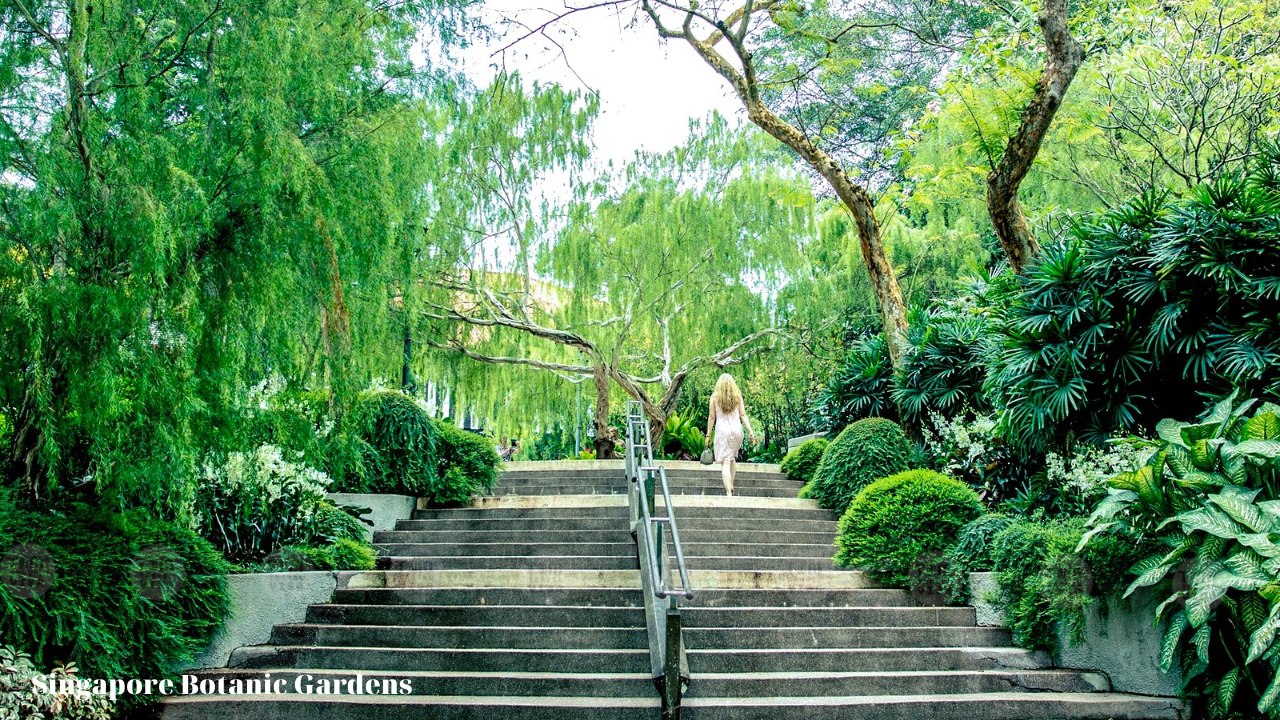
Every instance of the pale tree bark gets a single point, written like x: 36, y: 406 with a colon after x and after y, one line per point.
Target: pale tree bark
x: 741, y: 74
x: 497, y: 310
x: 1064, y: 57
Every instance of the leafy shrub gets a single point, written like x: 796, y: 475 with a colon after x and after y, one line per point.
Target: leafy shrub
x: 398, y: 454
x: 118, y: 595
x: 864, y: 452
x: 343, y: 554
x: 801, y: 463
x: 251, y: 504
x: 1153, y: 296
x: 1045, y: 581
x: 974, y: 451
x: 971, y: 553
x: 861, y: 388
x: 681, y: 435
x: 468, y: 464
x: 946, y: 369
x: 898, y: 527
x: 19, y: 698
x: 1209, y: 498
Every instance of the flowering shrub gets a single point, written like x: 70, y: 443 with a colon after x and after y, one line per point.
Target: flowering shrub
x: 19, y: 699
x: 253, y: 503
x: 972, y: 450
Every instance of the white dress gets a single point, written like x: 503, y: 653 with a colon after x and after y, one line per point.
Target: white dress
x: 728, y: 433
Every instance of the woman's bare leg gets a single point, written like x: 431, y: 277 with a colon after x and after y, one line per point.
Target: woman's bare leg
x: 733, y: 474
x: 726, y: 474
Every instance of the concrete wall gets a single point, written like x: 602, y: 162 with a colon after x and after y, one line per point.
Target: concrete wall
x: 386, y: 509
x: 796, y: 442
x: 1121, y: 641
x: 259, y: 602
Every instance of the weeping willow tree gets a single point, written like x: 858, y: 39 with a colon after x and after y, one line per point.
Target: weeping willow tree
x: 194, y: 195
x: 673, y: 272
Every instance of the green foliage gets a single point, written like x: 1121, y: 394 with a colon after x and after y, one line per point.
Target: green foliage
x: 1209, y: 496
x: 1152, y: 296
x: 19, y: 698
x: 401, y: 440
x: 801, y: 463
x: 861, y: 388
x: 865, y: 451
x: 1047, y: 584
x: 898, y: 527
x: 971, y: 553
x: 342, y: 554
x: 468, y: 464
x: 682, y: 435
x: 130, y: 596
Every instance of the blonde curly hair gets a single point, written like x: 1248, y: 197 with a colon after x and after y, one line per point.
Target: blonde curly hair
x: 726, y: 396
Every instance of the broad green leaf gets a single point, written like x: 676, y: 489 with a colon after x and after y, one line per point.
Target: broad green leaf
x: 1147, y: 479
x: 1241, y: 509
x: 1263, y: 426
x: 1271, y: 508
x: 1259, y: 450
x: 1202, y: 481
x: 1200, y: 641
x: 1211, y: 520
x: 1204, y: 454
x: 1092, y: 532
x: 1227, y: 688
x: 1246, y: 563
x: 1267, y: 703
x: 1261, y: 543
x: 1271, y: 592
x: 1171, y: 431
x: 1125, y: 481
x: 1149, y: 577
x: 1169, y: 601
x: 1264, y: 636
x: 1172, y: 640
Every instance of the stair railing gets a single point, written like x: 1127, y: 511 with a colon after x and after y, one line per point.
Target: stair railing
x: 661, y: 598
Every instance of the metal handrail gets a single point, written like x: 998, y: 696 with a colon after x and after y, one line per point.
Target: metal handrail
x: 662, y: 610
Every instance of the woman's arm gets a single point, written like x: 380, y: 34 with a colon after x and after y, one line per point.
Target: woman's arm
x: 742, y: 413
x: 711, y: 417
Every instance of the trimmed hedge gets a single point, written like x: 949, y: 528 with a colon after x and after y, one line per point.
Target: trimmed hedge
x: 971, y: 553
x: 801, y: 463
x: 864, y: 452
x: 898, y: 527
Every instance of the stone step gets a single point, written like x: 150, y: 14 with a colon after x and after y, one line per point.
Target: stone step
x: 509, y: 578
x: 524, y: 549
x: 746, y: 534
x: 916, y: 682
x: 488, y: 524
x: 801, y: 638
x: 596, y: 562
x: 742, y: 660
x: 460, y: 636
x: 558, y: 511
x: 509, y: 562
x: 825, y: 617
x: 606, y: 489
x: 596, y: 597
x: 544, y: 684
x: 706, y: 579
x: 673, y: 479
x: 435, y: 707
x: 446, y: 658
x: 983, y: 706
x: 486, y: 615
x: 705, y: 472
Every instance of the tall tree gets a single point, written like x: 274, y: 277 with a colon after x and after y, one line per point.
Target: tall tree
x: 1063, y: 57
x: 707, y: 28
x: 193, y: 195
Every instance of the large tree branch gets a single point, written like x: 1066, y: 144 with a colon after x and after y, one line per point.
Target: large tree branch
x: 584, y: 371
x: 1065, y: 56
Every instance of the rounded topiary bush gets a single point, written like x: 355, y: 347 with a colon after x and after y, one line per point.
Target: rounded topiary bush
x: 902, y: 523
x: 864, y: 452
x: 800, y: 464
x: 402, y: 439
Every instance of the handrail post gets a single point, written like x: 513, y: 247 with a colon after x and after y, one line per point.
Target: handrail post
x: 672, y: 680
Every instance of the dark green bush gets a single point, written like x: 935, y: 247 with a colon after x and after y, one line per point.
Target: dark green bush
x: 946, y: 369
x: 1153, y: 296
x: 865, y: 451
x: 1045, y: 581
x: 398, y: 454
x: 130, y: 596
x: 971, y: 553
x: 342, y: 554
x: 802, y: 462
x: 468, y: 464
x: 862, y: 387
x: 898, y: 527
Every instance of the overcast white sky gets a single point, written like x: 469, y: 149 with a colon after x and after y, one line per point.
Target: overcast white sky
x: 649, y: 90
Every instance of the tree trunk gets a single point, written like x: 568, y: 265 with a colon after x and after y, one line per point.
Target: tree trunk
x: 406, y: 372
x: 1064, y: 59
x: 893, y: 311
x: 604, y: 441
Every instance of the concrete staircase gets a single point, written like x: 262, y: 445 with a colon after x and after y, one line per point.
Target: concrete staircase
x: 528, y: 605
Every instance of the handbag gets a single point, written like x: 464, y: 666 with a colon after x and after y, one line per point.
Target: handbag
x: 708, y: 456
